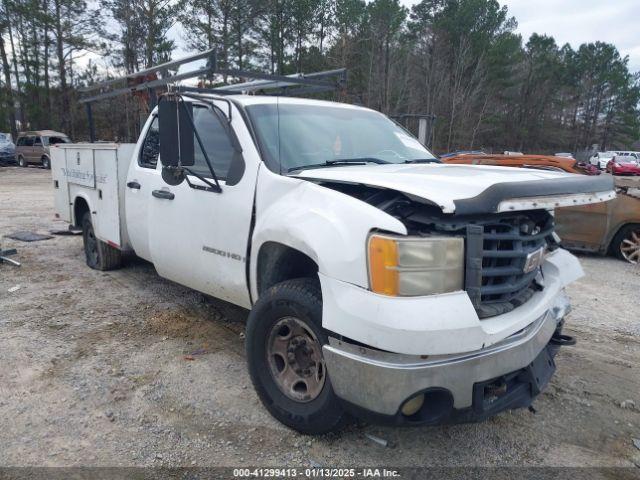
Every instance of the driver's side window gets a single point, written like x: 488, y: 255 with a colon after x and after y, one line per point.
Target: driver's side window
x: 150, y: 149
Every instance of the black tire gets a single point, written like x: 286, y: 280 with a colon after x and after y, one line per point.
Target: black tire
x: 46, y: 163
x: 626, y: 233
x: 99, y: 255
x: 22, y: 162
x: 300, y: 298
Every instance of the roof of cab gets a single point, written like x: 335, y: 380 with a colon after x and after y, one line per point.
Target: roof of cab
x: 43, y: 133
x: 272, y: 99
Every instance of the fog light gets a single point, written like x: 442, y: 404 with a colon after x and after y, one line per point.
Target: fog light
x: 411, y: 407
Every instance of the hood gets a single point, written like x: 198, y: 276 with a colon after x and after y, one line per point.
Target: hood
x: 468, y: 189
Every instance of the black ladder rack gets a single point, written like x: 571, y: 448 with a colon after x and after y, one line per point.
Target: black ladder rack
x: 159, y: 77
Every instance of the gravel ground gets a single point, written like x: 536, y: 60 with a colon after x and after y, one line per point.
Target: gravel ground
x: 124, y: 368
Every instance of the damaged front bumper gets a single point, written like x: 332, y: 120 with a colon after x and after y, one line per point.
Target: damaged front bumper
x: 461, y: 387
x: 435, y: 324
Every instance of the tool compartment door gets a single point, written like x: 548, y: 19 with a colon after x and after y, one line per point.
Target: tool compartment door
x: 92, y: 174
x: 62, y: 203
x: 80, y: 169
x: 107, y: 217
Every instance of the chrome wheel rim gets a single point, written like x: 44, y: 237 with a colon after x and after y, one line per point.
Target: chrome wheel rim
x: 630, y: 247
x: 294, y: 356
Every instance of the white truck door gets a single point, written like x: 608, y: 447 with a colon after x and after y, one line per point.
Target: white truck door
x: 199, y: 238
x: 62, y: 202
x: 142, y: 178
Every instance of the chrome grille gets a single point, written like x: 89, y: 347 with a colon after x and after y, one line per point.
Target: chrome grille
x: 497, y: 250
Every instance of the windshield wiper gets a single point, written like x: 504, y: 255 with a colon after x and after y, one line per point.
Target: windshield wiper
x: 341, y: 161
x: 423, y: 160
x: 338, y: 161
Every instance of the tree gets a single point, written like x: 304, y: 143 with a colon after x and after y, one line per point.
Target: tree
x: 70, y: 29
x: 9, y: 99
x: 141, y: 40
x: 386, y: 18
x: 459, y: 60
x: 227, y: 26
x: 274, y: 30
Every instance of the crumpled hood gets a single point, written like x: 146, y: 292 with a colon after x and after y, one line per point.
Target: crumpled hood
x: 448, y: 186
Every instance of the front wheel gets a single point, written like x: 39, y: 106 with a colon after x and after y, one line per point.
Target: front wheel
x: 99, y: 255
x: 284, y: 342
x: 46, y: 163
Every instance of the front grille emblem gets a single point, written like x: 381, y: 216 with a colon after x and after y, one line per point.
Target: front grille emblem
x: 534, y: 260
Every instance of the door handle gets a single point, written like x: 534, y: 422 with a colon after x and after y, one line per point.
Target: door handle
x: 165, y: 194
x: 134, y: 185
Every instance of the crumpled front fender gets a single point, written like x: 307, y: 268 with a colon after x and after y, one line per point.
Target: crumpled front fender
x: 328, y: 226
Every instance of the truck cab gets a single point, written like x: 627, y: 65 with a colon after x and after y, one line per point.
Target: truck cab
x: 381, y: 282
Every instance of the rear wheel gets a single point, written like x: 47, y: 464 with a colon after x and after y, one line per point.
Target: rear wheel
x: 284, y: 342
x: 99, y: 255
x: 626, y: 244
x: 21, y: 161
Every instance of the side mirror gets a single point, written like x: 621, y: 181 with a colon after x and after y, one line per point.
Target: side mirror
x: 173, y: 175
x: 176, y: 133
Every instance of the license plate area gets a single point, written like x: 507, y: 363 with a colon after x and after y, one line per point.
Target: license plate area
x: 540, y: 371
x: 516, y: 389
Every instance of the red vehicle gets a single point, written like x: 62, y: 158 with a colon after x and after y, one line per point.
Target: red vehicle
x: 588, y: 168
x: 623, y: 166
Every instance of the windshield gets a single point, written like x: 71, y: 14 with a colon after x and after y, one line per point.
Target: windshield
x: 5, y: 138
x: 624, y: 159
x: 296, y: 136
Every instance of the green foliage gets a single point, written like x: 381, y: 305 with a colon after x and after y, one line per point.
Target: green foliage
x: 460, y: 60
x: 141, y: 34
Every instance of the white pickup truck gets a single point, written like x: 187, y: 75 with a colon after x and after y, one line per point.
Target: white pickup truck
x: 381, y: 282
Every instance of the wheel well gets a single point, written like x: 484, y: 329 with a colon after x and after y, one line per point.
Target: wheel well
x: 80, y: 207
x: 278, y: 262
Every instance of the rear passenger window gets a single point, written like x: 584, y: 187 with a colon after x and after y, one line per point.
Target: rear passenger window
x: 28, y: 142
x: 216, y: 142
x: 150, y: 146
x: 58, y: 140
x: 20, y: 142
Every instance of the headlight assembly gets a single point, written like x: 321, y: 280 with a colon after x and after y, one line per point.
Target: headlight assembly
x: 415, y: 266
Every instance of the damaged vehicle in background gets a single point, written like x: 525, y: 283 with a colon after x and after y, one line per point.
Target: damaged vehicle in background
x: 611, y: 227
x: 541, y: 162
x: 7, y: 149
x: 382, y: 283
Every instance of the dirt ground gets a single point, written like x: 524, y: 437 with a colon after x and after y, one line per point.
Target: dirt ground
x: 124, y: 368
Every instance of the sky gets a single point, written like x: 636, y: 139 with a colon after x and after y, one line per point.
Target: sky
x: 579, y: 21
